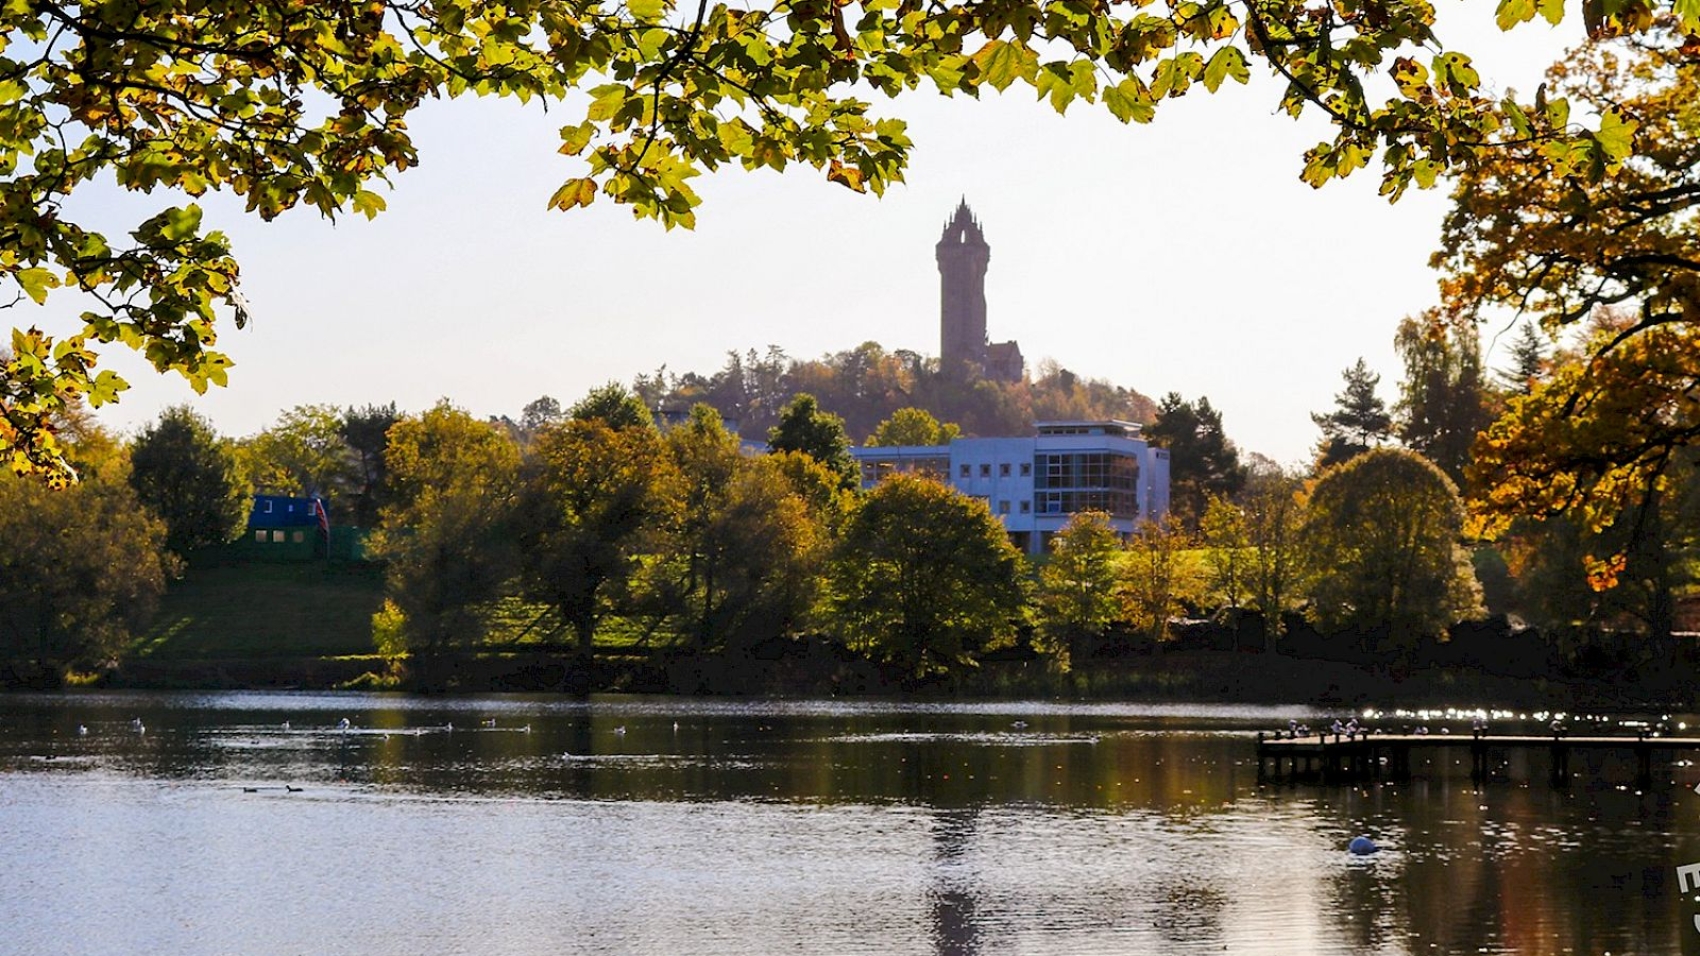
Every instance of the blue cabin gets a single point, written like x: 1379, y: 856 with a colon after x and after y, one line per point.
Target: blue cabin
x: 285, y: 527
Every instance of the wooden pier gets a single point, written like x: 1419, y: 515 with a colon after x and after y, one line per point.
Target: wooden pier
x: 1340, y: 758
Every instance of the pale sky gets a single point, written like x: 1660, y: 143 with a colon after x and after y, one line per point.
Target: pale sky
x: 1184, y: 255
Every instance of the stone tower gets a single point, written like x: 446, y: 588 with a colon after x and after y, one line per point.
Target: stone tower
x: 962, y: 256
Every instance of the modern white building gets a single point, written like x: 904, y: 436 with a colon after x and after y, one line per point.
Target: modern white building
x: 1035, y: 484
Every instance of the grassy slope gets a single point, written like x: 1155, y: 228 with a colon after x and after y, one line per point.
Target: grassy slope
x: 265, y: 610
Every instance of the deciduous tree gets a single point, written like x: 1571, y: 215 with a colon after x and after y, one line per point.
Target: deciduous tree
x: 925, y: 578
x: 1158, y: 578
x: 1273, y: 513
x: 804, y: 427
x: 302, y: 453
x: 1080, y: 592
x: 1223, y: 534
x: 593, y: 497
x: 366, y: 432
x: 447, y: 531
x: 182, y: 470
x: 1443, y: 402
x: 1382, y: 539
x: 80, y: 568
x: 912, y: 426
x: 1617, y: 260
x: 614, y: 406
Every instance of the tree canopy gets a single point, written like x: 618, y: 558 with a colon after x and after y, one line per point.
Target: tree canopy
x: 912, y: 426
x: 804, y: 427
x: 925, y: 577
x: 182, y: 470
x: 1613, y: 262
x: 1443, y: 402
x: 289, y: 105
x: 1382, y: 537
x: 1202, y: 461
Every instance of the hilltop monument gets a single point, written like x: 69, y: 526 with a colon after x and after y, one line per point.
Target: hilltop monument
x: 963, y: 255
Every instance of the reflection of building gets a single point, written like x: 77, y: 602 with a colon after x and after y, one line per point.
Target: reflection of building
x: 1035, y: 484
x: 963, y: 255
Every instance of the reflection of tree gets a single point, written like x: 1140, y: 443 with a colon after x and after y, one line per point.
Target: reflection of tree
x: 955, y: 932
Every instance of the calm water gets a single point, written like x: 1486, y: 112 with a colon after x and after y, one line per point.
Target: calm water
x: 666, y: 826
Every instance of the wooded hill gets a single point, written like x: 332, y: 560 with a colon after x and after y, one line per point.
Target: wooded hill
x: 866, y: 384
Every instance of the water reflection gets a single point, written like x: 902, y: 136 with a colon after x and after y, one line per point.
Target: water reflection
x: 527, y: 825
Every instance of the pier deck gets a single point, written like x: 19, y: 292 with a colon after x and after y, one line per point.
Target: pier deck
x: 1338, y: 757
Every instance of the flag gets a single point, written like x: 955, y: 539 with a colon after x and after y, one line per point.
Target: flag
x: 324, y: 519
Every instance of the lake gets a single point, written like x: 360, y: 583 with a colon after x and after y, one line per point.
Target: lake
x: 253, y: 823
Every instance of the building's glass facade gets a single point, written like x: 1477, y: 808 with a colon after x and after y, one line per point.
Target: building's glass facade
x: 1068, y: 482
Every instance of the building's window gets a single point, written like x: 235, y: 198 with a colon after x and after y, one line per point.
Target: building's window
x: 260, y: 536
x: 1026, y: 469
x: 963, y: 471
x: 277, y: 536
x: 1003, y: 507
x: 297, y: 537
x: 1003, y: 469
x: 1026, y: 507
x: 985, y: 470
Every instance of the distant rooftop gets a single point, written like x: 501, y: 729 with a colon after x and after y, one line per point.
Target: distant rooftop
x: 1112, y: 426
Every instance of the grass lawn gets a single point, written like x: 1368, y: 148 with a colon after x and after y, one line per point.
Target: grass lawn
x: 250, y: 610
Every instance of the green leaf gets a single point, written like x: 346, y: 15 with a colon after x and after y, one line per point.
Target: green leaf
x: 368, y: 203
x: 1002, y: 63
x: 606, y: 101
x: 580, y: 191
x: 1227, y: 62
x: 575, y: 138
x: 1129, y: 101
x: 1616, y: 135
x: 105, y: 388
x: 647, y: 9
x: 1553, y: 10
x: 35, y: 283
x: 179, y: 224
x: 1687, y: 11
x: 1513, y: 12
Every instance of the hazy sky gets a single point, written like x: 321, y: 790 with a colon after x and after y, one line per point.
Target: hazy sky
x: 1180, y: 256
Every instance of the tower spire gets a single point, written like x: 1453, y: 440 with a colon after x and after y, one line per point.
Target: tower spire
x: 962, y: 254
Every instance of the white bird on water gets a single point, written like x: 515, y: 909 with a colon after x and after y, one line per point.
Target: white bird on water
x: 490, y: 723
x: 343, y: 724
x: 82, y: 731
x: 286, y: 725
x: 620, y: 731
x: 137, y: 726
